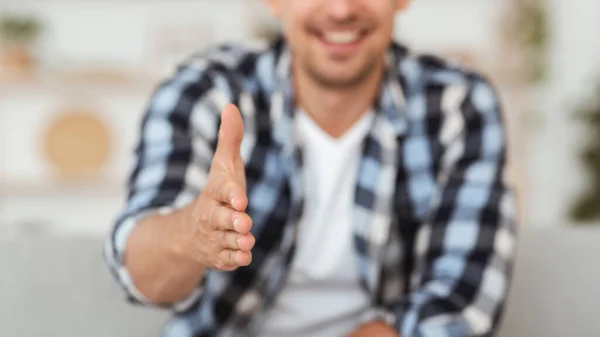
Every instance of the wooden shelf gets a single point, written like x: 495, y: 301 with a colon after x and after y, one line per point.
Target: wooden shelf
x: 96, y: 189
x: 78, y: 81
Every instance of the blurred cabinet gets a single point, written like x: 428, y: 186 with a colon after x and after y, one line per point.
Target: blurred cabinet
x: 105, y: 57
x: 28, y: 109
x: 30, y: 189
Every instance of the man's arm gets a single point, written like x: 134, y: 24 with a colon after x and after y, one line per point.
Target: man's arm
x: 162, y: 274
x: 145, y: 251
x: 464, y: 250
x: 166, y: 255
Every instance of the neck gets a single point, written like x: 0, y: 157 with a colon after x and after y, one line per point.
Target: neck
x: 335, y: 110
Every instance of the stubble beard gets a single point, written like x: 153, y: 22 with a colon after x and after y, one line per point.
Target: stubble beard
x: 327, y: 81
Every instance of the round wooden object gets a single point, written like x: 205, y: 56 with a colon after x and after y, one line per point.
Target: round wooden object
x: 77, y: 143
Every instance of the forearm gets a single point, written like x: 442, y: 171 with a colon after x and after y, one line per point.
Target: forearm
x: 158, y: 267
x: 464, y: 250
x: 461, y: 290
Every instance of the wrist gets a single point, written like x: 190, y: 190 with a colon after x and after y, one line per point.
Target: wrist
x: 179, y: 243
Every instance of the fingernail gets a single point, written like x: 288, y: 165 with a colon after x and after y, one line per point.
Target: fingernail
x: 232, y: 201
x: 236, y: 221
x: 239, y: 238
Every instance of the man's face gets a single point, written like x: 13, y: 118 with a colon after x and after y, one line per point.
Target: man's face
x: 338, y: 43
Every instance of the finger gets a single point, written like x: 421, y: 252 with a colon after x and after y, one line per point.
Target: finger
x: 221, y: 218
x: 235, y: 257
x: 242, y: 223
x: 232, y: 194
x: 237, y: 241
x: 226, y: 219
x: 231, y: 133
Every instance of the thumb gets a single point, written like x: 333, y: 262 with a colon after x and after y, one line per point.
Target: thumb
x: 231, y: 133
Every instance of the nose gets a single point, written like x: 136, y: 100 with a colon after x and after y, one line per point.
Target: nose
x: 341, y: 10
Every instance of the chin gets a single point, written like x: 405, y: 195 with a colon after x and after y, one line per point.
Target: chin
x: 341, y: 74
x: 338, y: 80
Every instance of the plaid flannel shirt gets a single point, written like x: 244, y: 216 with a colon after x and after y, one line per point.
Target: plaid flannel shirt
x: 434, y: 217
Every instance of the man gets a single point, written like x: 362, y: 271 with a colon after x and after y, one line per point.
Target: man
x: 359, y: 190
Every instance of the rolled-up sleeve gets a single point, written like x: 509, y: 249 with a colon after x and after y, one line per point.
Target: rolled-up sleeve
x: 172, y: 160
x: 464, y: 251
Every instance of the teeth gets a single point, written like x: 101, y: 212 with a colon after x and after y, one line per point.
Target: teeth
x: 341, y: 37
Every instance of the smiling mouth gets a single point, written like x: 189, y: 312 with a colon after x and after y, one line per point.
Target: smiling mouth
x: 342, y: 37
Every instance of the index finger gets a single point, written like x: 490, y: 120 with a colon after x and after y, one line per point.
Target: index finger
x: 223, y: 218
x: 232, y: 194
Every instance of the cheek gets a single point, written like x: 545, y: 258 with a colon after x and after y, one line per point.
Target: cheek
x: 295, y: 14
x: 385, y: 14
x: 387, y: 17
x: 386, y: 29
x: 295, y: 31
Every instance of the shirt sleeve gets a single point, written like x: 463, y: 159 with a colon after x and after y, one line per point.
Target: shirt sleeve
x: 464, y: 250
x: 171, y: 163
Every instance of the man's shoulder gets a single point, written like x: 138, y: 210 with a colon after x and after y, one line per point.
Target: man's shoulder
x: 222, y: 72
x: 232, y: 59
x: 428, y: 70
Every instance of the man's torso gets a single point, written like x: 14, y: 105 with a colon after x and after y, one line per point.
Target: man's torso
x: 395, y: 180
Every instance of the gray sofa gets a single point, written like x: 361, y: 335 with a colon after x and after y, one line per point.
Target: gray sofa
x: 58, y: 287
x: 55, y: 286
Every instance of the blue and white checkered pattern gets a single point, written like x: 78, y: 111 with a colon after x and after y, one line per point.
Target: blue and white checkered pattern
x: 434, y: 218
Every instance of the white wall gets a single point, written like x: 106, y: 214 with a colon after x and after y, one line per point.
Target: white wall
x: 127, y: 31
x: 554, y: 172
x: 434, y: 25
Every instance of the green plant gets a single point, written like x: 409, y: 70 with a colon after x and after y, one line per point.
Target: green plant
x: 587, y: 206
x: 19, y: 29
x: 531, y: 31
x: 267, y: 31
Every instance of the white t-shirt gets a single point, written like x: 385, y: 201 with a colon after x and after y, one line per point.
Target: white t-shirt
x: 323, y: 296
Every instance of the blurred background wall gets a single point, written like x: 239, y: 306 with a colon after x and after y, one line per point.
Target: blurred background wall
x: 70, y: 113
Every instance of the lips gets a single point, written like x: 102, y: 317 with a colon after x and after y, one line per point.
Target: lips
x: 341, y: 43
x: 341, y: 37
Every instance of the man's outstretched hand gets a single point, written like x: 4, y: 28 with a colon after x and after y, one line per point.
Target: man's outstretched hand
x: 217, y: 229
